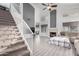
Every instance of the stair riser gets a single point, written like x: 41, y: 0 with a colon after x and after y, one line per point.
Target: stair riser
x: 12, y: 40
x: 6, y: 18
x: 19, y: 43
x: 5, y: 14
x: 17, y: 53
x: 6, y: 21
x: 9, y: 24
x: 9, y: 53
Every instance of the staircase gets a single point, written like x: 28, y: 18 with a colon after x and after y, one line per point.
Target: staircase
x: 11, y: 41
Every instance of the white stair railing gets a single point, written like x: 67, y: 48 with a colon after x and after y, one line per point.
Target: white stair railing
x: 23, y: 27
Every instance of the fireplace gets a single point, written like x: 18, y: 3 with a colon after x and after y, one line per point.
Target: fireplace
x: 52, y: 34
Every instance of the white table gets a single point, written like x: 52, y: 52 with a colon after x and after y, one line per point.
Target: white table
x: 60, y: 41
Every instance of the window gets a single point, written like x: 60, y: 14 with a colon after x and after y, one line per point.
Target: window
x: 43, y: 28
x: 53, y: 19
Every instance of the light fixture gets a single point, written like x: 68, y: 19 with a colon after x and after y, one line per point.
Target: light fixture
x: 49, y: 6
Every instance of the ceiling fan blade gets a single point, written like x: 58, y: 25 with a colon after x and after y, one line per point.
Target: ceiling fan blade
x: 44, y: 8
x: 54, y: 6
x: 44, y: 4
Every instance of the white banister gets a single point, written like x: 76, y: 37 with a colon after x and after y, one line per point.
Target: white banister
x: 23, y: 27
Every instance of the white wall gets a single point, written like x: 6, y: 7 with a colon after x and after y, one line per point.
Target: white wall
x: 41, y: 17
x: 71, y: 18
x: 45, y: 17
x: 59, y: 18
x: 45, y: 14
x: 28, y: 12
x: 37, y: 15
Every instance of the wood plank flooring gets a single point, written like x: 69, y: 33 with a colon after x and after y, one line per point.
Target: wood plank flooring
x: 41, y: 47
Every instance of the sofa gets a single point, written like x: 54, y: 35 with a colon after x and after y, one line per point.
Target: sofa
x: 76, y: 45
x: 72, y: 36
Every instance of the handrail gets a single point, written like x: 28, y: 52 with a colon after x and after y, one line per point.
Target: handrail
x: 25, y: 23
x: 27, y: 26
x: 23, y: 27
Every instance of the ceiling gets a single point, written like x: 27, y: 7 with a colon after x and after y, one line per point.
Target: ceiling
x: 70, y: 9
x: 66, y: 8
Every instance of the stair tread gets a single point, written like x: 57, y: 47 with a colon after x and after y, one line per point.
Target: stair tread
x: 12, y: 49
x: 20, y: 53
x: 18, y: 41
x: 11, y: 42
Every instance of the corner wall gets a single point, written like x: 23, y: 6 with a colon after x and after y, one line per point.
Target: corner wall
x: 28, y: 14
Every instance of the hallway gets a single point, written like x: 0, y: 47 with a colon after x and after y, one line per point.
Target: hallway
x: 41, y: 47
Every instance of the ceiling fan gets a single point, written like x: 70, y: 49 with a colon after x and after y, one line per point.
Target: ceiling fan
x: 49, y: 6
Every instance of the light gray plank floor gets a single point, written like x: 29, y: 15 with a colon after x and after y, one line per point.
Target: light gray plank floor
x: 41, y: 47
